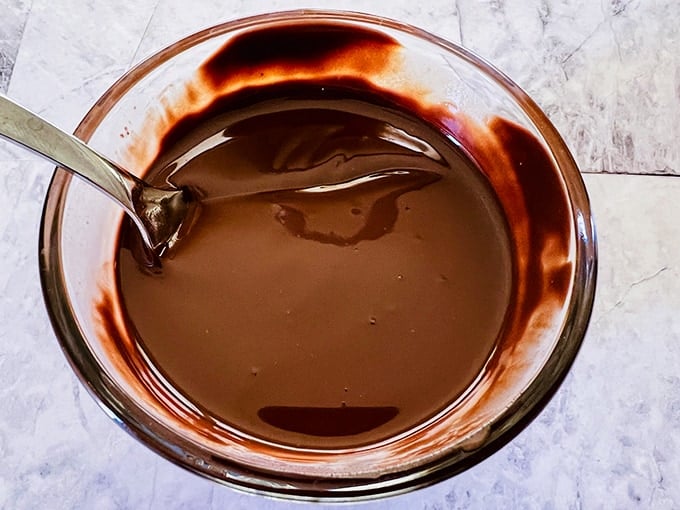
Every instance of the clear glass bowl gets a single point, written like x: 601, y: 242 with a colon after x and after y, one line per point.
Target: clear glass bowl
x: 78, y: 242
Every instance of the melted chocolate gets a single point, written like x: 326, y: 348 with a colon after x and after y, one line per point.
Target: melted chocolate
x: 352, y: 271
x: 350, y: 265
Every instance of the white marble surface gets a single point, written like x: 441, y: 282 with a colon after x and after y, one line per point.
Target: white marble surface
x: 608, y: 75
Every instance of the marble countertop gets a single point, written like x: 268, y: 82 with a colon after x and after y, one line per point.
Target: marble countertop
x: 606, y: 72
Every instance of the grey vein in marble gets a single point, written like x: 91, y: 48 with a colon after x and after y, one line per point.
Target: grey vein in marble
x: 14, y: 14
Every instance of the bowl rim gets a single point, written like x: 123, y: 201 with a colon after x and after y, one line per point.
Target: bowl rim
x: 508, y: 424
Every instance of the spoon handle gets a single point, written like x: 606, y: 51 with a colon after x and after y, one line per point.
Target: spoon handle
x: 24, y: 127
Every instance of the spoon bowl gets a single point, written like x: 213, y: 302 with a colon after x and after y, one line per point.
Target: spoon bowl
x: 160, y: 215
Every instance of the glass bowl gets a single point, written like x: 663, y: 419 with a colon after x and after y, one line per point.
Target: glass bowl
x: 551, y: 232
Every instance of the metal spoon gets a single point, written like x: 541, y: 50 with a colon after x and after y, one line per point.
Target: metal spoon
x: 158, y: 214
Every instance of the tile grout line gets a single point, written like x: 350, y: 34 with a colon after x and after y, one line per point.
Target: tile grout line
x: 638, y: 174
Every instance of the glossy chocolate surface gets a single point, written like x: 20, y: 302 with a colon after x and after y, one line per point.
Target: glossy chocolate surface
x: 353, y: 271
x: 348, y: 276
